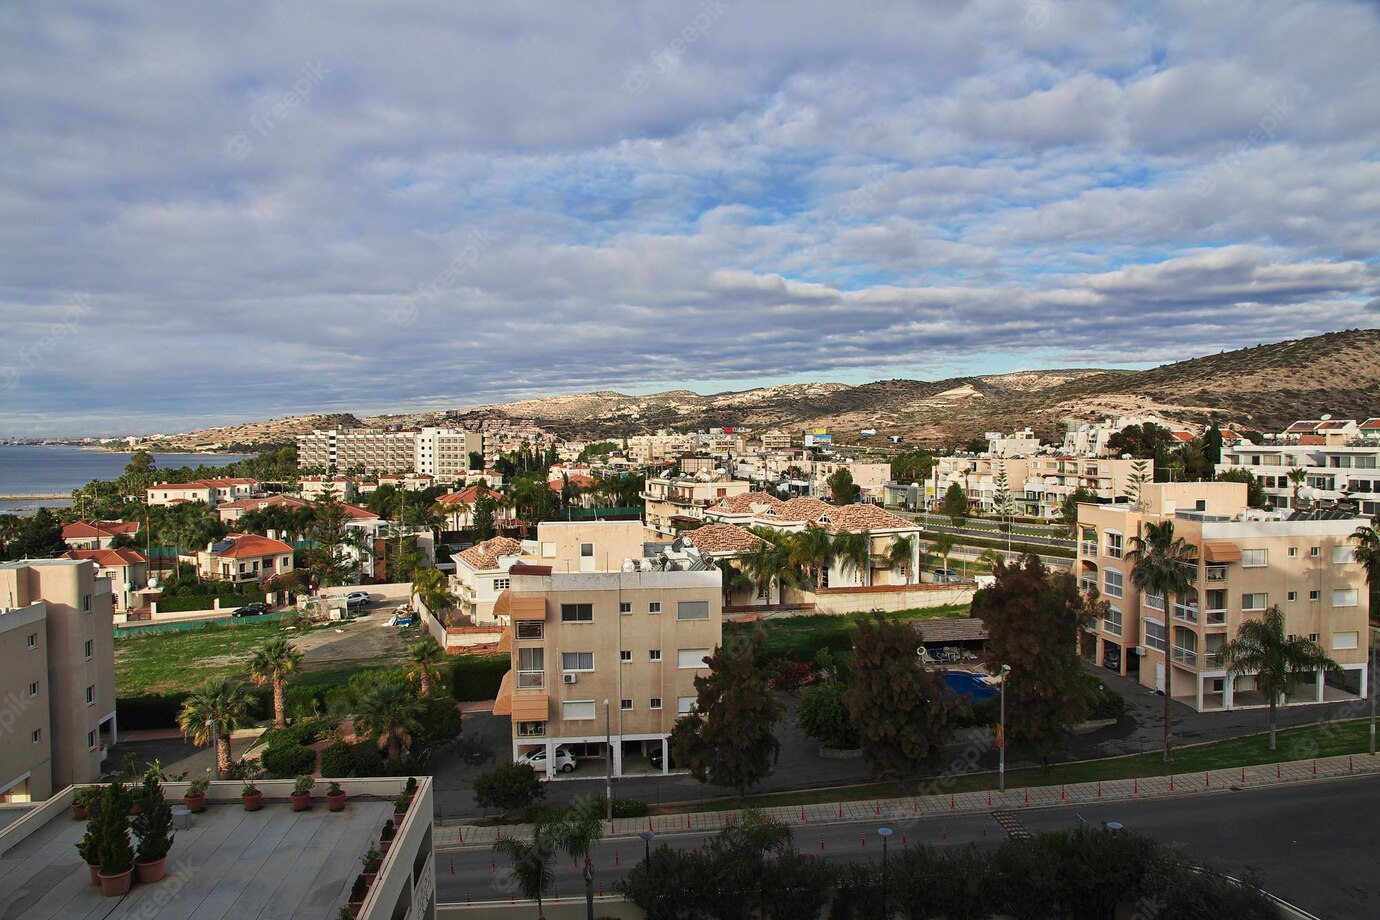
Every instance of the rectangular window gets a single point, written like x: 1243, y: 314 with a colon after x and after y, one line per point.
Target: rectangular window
x: 37, y: 735
x: 1344, y: 597
x: 692, y: 610
x: 531, y: 729
x: 90, y: 741
x: 1314, y: 551
x: 1254, y: 558
x: 1293, y: 595
x: 86, y: 603
x: 586, y: 550
x: 90, y: 695
x: 625, y: 655
x: 1111, y: 583
x: 531, y: 659
x: 655, y: 703
x: 33, y: 640
x: 531, y: 629
x: 1257, y: 601
x: 577, y: 710
x: 1314, y: 595
x: 1345, y: 640
x: 1154, y: 600
x: 684, y: 704
x: 691, y: 657
x: 654, y: 607
x: 577, y: 661
x: 577, y: 613
x: 654, y: 655
x: 1341, y: 555
x: 1293, y: 551
x: 624, y: 607
x: 1154, y: 635
x: 33, y: 689
x: 1112, y: 621
x: 625, y: 705
x: 1114, y: 544
x: 501, y: 584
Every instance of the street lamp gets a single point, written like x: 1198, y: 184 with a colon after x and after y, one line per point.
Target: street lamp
x: 215, y: 752
x: 884, y: 833
x: 1001, y: 732
x: 647, y: 845
x: 608, y: 759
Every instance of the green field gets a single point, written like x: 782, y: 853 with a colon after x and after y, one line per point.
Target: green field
x: 803, y: 636
x: 175, y: 661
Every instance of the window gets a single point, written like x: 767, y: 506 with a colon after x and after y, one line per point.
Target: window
x: 531, y: 629
x: 655, y: 703
x: 625, y: 705
x: 1344, y: 597
x: 86, y: 603
x: 1293, y: 551
x: 1112, y: 582
x: 1254, y: 558
x: 692, y: 610
x: 1343, y: 554
x: 691, y: 657
x: 654, y: 655
x: 1257, y: 601
x: 1293, y: 595
x: 684, y: 704
x: 548, y: 549
x: 1154, y: 600
x: 33, y: 640
x: 1154, y: 635
x: 577, y: 613
x: 531, y: 729
x: 1314, y: 595
x: 33, y: 689
x: 1314, y: 551
x: 1114, y: 545
x: 586, y: 550
x: 91, y: 694
x: 501, y: 584
x: 1112, y: 621
x: 624, y: 607
x: 625, y: 655
x: 1345, y: 640
x: 577, y: 661
x: 577, y: 710
x: 654, y: 607
x: 90, y: 741
x: 36, y: 736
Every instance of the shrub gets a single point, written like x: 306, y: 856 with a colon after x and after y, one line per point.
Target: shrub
x: 508, y: 787
x: 304, y: 702
x: 1103, y: 701
x: 284, y: 761
x: 368, y: 760
x: 790, y: 676
x: 299, y: 733
x: 336, y: 759
x: 824, y: 717
x: 622, y: 808
x: 478, y: 677
x: 440, y: 724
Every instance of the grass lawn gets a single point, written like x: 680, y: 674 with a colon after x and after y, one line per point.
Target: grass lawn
x: 804, y: 636
x: 1300, y: 743
x: 176, y: 661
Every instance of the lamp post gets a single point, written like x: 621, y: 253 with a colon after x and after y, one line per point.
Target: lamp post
x: 647, y: 845
x: 1001, y: 732
x: 215, y: 749
x: 884, y: 833
x: 608, y: 759
x: 1370, y: 688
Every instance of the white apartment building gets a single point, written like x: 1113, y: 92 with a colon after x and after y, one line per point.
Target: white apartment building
x: 210, y: 492
x: 440, y: 452
x: 674, y: 503
x: 1036, y: 486
x: 1340, y: 459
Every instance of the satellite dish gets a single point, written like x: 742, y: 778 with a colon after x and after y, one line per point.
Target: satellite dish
x: 1327, y: 416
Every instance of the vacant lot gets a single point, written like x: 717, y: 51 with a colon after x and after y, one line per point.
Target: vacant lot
x: 804, y: 636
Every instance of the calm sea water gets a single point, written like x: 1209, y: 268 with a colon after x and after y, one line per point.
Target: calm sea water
x: 27, y: 469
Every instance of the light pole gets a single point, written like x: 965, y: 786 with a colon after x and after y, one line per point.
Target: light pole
x: 647, y: 845
x: 1370, y: 688
x: 215, y: 748
x: 1001, y: 732
x: 884, y: 833
x: 608, y: 759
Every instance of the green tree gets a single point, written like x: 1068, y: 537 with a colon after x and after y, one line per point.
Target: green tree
x: 842, y: 489
x: 1298, y: 478
x: 942, y: 545
x: 482, y: 524
x: 770, y: 562
x: 39, y: 536
x: 1002, y: 503
x: 912, y: 466
x: 955, y: 503
x: 823, y: 715
x: 1034, y: 618
x: 1147, y: 441
x: 728, y: 739
x: 854, y: 553
x: 1367, y: 539
x: 115, y: 853
x: 214, y: 710
x: 1068, y: 512
x: 733, y: 579
x: 1279, y: 662
x: 390, y: 713
x: 1162, y: 564
x: 812, y: 549
x: 423, y: 664
x: 271, y: 664
x: 1255, y: 492
x: 902, y: 716
x: 530, y: 863
x: 576, y: 832
x: 1140, y: 476
x: 508, y: 787
x: 432, y: 588
x: 476, y: 460
x: 328, y: 561
x: 901, y: 554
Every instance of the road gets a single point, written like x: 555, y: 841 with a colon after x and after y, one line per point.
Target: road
x: 1312, y: 845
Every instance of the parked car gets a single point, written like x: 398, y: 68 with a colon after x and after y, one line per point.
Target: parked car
x: 565, y: 761
x: 654, y: 758
x: 357, y: 599
x: 256, y: 609
x: 946, y: 577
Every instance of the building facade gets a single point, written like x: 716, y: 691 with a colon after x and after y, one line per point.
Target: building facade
x: 1339, y: 461
x: 675, y: 503
x: 440, y: 452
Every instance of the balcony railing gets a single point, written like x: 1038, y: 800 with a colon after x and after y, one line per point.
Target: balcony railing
x: 1088, y: 549
x: 531, y: 729
x: 1216, y: 617
x: 1186, y: 612
x: 1217, y: 573
x: 531, y: 680
x: 1185, y: 656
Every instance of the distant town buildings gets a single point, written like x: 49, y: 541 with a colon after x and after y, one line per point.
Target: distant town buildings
x: 1315, y: 461
x: 443, y: 453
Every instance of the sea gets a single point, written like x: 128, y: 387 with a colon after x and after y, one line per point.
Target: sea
x: 41, y: 469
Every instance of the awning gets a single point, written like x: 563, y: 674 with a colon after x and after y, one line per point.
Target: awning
x: 505, y: 641
x: 530, y: 707
x: 503, y: 703
x: 501, y: 604
x: 1221, y: 552
x: 527, y: 608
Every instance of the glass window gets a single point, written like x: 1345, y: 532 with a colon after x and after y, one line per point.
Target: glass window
x: 1154, y: 600
x: 577, y: 661
x: 1253, y: 558
x: 691, y: 657
x: 577, y: 710
x: 90, y: 695
x: 1112, y: 621
x: 90, y: 741
x: 654, y: 607
x: 625, y: 705
x: 37, y: 735
x: 1112, y: 583
x: 33, y: 640
x: 531, y: 659
x: 577, y: 613
x: 1344, y: 597
x: 1343, y: 554
x: 692, y: 610
x: 1114, y: 544
x: 625, y: 655
x: 1258, y: 600
x: 33, y: 689
x: 654, y: 655
x: 624, y: 607
x: 531, y: 629
x: 684, y: 704
x: 90, y: 648
x: 1154, y: 635
x: 655, y: 703
x: 501, y: 584
x: 586, y: 550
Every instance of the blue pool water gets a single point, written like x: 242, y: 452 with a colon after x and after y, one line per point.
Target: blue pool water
x: 964, y: 683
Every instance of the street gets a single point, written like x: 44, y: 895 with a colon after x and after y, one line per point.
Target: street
x: 1311, y: 845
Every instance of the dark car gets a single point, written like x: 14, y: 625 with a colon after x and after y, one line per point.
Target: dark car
x: 654, y: 758
x: 255, y: 609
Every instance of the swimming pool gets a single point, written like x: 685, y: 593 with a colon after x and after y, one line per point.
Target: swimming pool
x: 966, y: 683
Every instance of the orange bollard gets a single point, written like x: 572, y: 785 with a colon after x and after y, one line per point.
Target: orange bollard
x: 840, y: 809
x: 952, y: 806
x: 821, y: 843
x: 914, y: 806
x: 492, y: 866
x: 1315, y: 768
x: 462, y: 835
x: 1027, y: 797
x: 989, y: 800
x: 802, y: 816
x: 903, y: 840
x: 687, y: 822
x: 1277, y: 771
x: 649, y: 824
x: 498, y: 832
x: 1171, y: 782
x: 864, y: 841
x: 1350, y: 764
x: 984, y: 832
x: 1099, y: 789
x: 1207, y: 779
x: 1135, y: 786
x: 1243, y: 776
x: 1062, y: 797
x: 879, y: 809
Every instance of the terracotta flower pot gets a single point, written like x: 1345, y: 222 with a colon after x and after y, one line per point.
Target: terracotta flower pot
x: 253, y: 802
x: 136, y: 808
x: 78, y: 813
x: 115, y: 885
x: 369, y: 878
x: 335, y: 801
x: 398, y: 818
x: 300, y: 800
x: 149, y: 872
x: 95, y: 874
x: 196, y: 804
x: 354, y: 906
x: 385, y: 845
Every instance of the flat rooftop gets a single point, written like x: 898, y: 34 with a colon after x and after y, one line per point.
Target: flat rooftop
x: 274, y: 864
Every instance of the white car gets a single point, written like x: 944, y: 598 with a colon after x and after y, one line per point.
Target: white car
x: 357, y: 599
x: 565, y: 761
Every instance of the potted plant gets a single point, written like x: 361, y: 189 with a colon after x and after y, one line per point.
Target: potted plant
x: 153, y: 830
x: 195, y: 797
x: 345, y: 914
x: 301, y: 793
x: 251, y: 796
x: 335, y: 797
x: 89, y: 845
x: 83, y: 800
x: 357, y: 892
x: 400, y: 807
x: 372, y: 860
x: 114, y: 852
x: 390, y: 831
x: 411, y: 787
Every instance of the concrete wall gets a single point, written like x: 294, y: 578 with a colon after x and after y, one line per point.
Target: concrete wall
x: 889, y: 598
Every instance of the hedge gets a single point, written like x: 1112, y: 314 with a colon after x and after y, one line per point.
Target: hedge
x: 284, y: 761
x: 302, y: 732
x: 207, y: 601
x: 160, y: 710
x: 478, y: 677
x: 336, y: 759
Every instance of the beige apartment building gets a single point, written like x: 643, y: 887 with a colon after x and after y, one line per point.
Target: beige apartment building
x: 440, y: 452
x: 869, y: 477
x: 126, y: 570
x: 57, y: 687
x: 1037, y: 486
x: 672, y: 503
x: 1248, y: 561
x: 606, y: 643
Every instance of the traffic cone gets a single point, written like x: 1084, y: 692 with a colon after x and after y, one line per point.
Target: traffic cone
x: 879, y: 809
x: 1099, y: 789
x: 989, y: 800
x: 1277, y: 776
x: 821, y: 843
x: 840, y: 809
x: 1062, y: 797
x: 1350, y: 764
x: 1207, y: 779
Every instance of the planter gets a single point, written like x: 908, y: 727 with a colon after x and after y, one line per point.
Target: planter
x: 149, y: 872
x: 335, y: 802
x: 301, y: 801
x: 354, y: 906
x: 385, y: 845
x: 78, y: 813
x: 95, y: 874
x: 253, y: 802
x: 196, y: 804
x: 398, y: 818
x: 369, y: 878
x: 113, y: 886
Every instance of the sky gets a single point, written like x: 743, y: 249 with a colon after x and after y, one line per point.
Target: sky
x: 227, y: 212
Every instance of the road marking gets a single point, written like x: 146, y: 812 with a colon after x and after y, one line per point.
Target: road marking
x: 1012, y: 825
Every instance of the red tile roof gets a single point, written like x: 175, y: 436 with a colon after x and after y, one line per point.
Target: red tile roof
x: 251, y: 545
x: 576, y: 479
x: 484, y: 556
x: 467, y: 496
x: 722, y: 538
x: 747, y: 503
x: 109, y: 558
x: 82, y: 530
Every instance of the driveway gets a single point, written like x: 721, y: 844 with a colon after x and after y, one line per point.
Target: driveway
x: 365, y: 637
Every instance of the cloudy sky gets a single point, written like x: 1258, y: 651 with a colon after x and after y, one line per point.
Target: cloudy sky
x: 220, y: 212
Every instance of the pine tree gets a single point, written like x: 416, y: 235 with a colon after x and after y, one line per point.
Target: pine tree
x: 955, y: 503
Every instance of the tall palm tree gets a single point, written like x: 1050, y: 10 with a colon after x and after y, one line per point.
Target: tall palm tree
x: 943, y: 544
x: 1160, y: 563
x: 1367, y: 538
x: 432, y: 588
x: 272, y: 663
x: 422, y: 663
x: 813, y: 550
x: 531, y: 864
x: 212, y: 711
x: 389, y: 712
x: 854, y: 551
x: 1278, y: 662
x: 734, y: 578
x: 900, y: 553
x: 576, y: 833
x: 768, y: 562
x: 1298, y: 476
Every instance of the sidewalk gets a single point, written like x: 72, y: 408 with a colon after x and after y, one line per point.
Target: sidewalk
x: 915, y: 808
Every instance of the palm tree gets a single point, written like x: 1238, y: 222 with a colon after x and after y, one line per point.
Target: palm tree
x: 813, y: 550
x: 854, y: 551
x: 767, y: 562
x: 422, y: 663
x: 211, y: 712
x: 576, y: 833
x: 943, y: 544
x: 734, y: 579
x: 900, y: 554
x: 389, y: 712
x: 1278, y: 662
x: 988, y: 558
x: 531, y: 864
x: 272, y: 663
x: 1160, y: 564
x: 432, y: 588
x: 1367, y: 539
x: 1298, y: 476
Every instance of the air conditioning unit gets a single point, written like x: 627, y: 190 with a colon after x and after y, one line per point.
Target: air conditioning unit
x: 570, y: 678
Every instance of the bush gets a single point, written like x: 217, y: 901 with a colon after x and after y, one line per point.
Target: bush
x: 284, y: 761
x: 299, y: 733
x: 149, y: 711
x: 185, y: 602
x: 790, y: 676
x: 477, y: 678
x: 304, y: 702
x: 1103, y: 701
x: 508, y: 787
x: 336, y: 759
x: 622, y: 808
x: 823, y: 716
x: 368, y: 760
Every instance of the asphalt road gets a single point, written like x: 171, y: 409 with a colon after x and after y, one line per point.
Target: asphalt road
x: 1312, y: 845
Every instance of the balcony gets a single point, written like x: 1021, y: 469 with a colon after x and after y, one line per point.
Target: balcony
x: 1187, y: 613
x: 1186, y: 657
x: 1216, y: 573
x: 1087, y: 548
x: 531, y: 680
x: 1216, y: 617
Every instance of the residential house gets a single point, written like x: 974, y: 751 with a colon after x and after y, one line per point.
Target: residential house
x: 97, y: 534
x: 460, y: 506
x: 244, y: 557
x: 481, y: 575
x: 729, y: 541
x: 674, y: 503
x: 126, y: 569
x: 312, y: 488
x: 1340, y: 460
x: 210, y: 492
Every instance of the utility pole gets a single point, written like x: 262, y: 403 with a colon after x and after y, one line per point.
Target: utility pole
x: 608, y: 760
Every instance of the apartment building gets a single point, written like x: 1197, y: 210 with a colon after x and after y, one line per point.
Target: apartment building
x: 664, y: 445
x: 673, y: 503
x: 1248, y: 561
x: 57, y: 689
x: 211, y: 492
x: 97, y: 534
x: 440, y: 452
x: 127, y: 571
x: 776, y: 440
x: 1036, y: 486
x: 481, y: 577
x: 312, y: 488
x: 869, y: 477
x: 1340, y: 460
x: 244, y: 557
x: 607, y: 638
